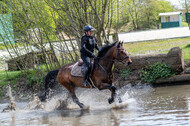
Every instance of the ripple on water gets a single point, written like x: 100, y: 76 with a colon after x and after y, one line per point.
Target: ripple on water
x: 146, y: 106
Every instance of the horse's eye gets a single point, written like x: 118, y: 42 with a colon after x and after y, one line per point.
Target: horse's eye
x: 122, y: 51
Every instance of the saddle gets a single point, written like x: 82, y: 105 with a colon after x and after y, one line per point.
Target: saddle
x: 78, y: 68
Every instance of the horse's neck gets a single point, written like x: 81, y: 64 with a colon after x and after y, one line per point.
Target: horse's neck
x: 107, y: 61
x: 107, y: 65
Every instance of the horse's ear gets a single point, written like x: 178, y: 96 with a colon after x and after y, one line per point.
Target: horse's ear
x: 119, y: 44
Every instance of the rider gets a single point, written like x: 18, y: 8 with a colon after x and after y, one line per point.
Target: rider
x: 88, y: 43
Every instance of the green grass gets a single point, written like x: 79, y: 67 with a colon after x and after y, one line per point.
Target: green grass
x: 30, y: 79
x: 9, y: 77
x: 184, y: 24
x: 159, y: 46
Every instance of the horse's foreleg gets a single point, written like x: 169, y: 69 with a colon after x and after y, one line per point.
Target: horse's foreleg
x: 114, y: 95
x: 113, y: 92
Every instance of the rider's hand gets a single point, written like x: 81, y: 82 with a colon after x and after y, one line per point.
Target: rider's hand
x: 93, y: 55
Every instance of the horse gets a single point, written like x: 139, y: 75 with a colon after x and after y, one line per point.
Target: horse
x: 102, y: 76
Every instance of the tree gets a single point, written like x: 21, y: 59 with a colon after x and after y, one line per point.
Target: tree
x: 144, y: 14
x: 55, y: 23
x: 82, y: 12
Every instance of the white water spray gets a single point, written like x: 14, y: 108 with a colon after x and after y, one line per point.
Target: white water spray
x: 12, y: 105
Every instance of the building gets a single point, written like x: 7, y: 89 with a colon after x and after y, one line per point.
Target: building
x: 30, y: 60
x: 187, y: 17
x: 172, y: 19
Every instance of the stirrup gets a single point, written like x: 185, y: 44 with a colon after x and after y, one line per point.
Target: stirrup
x: 84, y: 83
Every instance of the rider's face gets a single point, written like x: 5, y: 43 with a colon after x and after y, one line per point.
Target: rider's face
x: 89, y: 33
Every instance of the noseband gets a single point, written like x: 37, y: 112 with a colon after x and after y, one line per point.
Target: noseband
x: 126, y: 57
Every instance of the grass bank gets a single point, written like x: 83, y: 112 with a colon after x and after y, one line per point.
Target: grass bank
x: 9, y: 77
x: 21, y: 82
x: 159, y: 46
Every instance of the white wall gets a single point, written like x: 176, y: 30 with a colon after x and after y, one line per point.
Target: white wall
x: 155, y: 34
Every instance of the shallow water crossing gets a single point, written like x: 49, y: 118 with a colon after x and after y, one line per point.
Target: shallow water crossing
x: 145, y: 106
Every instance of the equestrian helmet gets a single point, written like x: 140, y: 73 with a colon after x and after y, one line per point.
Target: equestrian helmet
x: 88, y: 28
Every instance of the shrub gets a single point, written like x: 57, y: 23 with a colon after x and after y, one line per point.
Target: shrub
x: 155, y: 71
x: 124, y: 73
x: 32, y: 79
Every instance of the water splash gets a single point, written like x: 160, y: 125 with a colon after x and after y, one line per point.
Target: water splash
x: 95, y: 99
x: 12, y: 105
x: 35, y: 103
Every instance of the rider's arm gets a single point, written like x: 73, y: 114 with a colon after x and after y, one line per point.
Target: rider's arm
x: 96, y: 46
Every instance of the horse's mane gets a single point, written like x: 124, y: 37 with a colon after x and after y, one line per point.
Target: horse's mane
x: 105, y: 48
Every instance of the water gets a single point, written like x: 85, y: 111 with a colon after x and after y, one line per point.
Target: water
x: 147, y: 106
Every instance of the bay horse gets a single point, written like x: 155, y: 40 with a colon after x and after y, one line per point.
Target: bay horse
x: 102, y: 76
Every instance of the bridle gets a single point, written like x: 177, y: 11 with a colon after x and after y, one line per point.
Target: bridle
x: 121, y: 60
x: 115, y: 60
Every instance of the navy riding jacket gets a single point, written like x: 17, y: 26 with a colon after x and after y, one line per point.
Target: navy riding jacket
x: 88, y: 43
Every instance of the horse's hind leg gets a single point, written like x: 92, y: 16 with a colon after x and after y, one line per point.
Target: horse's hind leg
x: 71, y: 90
x: 76, y: 100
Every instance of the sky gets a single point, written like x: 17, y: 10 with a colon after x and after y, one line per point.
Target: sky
x: 177, y: 3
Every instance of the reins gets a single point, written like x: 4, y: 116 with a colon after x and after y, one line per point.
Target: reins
x: 126, y: 57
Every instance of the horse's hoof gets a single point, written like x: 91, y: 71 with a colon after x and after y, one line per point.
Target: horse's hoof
x: 42, y: 98
x: 119, y: 99
x: 82, y: 106
x: 85, y: 107
x: 110, y: 100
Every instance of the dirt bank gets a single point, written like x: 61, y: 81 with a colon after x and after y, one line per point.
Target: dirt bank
x: 134, y: 77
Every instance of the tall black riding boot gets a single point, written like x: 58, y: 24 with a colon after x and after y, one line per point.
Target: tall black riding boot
x: 85, y: 77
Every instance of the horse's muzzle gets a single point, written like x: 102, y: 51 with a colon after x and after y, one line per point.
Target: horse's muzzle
x: 129, y: 63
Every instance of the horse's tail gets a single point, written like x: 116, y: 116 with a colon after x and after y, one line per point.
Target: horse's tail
x: 50, y: 79
x: 50, y: 83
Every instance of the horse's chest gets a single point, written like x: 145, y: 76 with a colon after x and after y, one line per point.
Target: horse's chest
x: 108, y: 78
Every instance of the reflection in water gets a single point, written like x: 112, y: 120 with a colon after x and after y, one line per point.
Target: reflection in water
x: 146, y: 106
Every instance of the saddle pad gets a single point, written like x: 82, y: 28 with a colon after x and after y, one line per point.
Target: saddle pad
x: 76, y: 70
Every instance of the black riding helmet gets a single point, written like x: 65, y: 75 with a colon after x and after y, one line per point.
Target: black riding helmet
x: 88, y: 28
